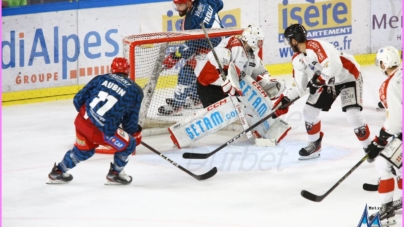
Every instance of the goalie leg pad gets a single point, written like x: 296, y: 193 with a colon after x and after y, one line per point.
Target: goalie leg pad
x: 204, y: 122
x: 254, y: 98
x: 278, y: 130
x: 270, y: 132
x: 258, y: 105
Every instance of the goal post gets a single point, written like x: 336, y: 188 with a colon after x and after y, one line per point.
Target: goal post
x: 146, y: 53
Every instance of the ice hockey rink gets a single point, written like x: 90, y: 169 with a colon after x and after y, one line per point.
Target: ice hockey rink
x: 254, y: 186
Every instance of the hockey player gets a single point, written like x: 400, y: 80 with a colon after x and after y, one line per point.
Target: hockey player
x: 253, y: 84
x: 388, y: 60
x: 104, y: 104
x: 317, y: 65
x: 243, y: 52
x: 194, y: 12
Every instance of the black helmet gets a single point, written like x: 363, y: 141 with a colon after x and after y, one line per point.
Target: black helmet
x: 296, y: 31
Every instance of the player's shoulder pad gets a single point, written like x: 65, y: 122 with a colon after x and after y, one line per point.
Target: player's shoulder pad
x: 125, y: 81
x: 217, y: 5
x: 317, y: 47
x: 203, y: 8
x: 234, y: 42
x: 100, y: 77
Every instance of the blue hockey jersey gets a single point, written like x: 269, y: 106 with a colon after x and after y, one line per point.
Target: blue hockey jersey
x: 205, y: 11
x: 111, y: 100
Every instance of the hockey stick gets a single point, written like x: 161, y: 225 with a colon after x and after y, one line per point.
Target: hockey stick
x: 375, y: 187
x: 204, y: 176
x: 207, y: 155
x: 370, y: 187
x: 236, y: 104
x: 317, y: 198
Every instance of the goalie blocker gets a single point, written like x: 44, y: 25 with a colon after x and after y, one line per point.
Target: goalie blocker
x: 256, y: 103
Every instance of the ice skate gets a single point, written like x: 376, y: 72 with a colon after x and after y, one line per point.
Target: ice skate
x: 192, y: 104
x: 115, y: 178
x: 386, y: 215
x: 169, y: 110
x: 312, y: 150
x: 398, y: 204
x: 58, y: 177
x: 189, y: 103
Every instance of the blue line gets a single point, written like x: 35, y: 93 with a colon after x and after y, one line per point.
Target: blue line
x: 64, y: 6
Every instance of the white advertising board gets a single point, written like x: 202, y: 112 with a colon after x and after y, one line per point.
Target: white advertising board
x: 36, y: 49
x: 45, y: 50
x: 78, y: 44
x: 343, y: 23
x: 73, y: 47
x: 386, y: 24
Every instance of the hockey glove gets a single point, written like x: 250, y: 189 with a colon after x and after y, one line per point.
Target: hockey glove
x: 273, y: 87
x: 171, y: 60
x: 282, y: 100
x: 377, y: 145
x: 374, y: 148
x: 138, y: 135
x: 228, y: 88
x: 315, y: 83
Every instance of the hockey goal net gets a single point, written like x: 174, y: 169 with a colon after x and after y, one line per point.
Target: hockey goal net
x: 146, y: 53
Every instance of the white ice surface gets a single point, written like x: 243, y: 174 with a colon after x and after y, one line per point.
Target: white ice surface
x: 254, y: 186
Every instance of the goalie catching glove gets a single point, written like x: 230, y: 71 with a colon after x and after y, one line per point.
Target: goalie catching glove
x: 273, y: 87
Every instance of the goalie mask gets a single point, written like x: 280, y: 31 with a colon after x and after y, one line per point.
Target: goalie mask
x: 389, y: 56
x: 254, y: 37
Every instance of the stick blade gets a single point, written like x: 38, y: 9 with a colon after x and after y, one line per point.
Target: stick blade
x: 207, y: 175
x: 195, y: 156
x: 311, y: 196
x: 370, y: 187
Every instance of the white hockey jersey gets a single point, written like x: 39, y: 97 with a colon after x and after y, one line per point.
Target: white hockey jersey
x: 391, y: 95
x: 247, y: 63
x: 335, y: 67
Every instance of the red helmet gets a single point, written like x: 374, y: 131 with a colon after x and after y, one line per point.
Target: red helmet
x: 120, y: 65
x: 181, y: 1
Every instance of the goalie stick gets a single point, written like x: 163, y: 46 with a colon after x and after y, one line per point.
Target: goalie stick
x: 236, y: 104
x: 207, y: 155
x: 204, y: 176
x: 319, y: 198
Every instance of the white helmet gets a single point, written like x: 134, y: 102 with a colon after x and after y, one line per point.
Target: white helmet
x: 389, y: 56
x: 254, y: 37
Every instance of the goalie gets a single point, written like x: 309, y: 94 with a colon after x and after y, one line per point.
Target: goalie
x: 249, y: 79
